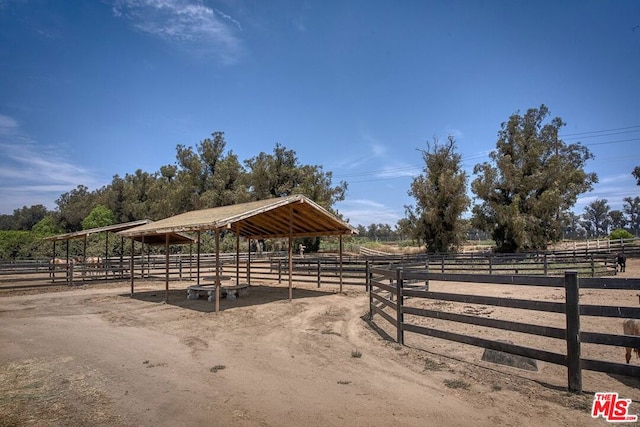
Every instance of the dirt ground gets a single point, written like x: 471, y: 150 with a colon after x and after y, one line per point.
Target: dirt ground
x: 96, y: 356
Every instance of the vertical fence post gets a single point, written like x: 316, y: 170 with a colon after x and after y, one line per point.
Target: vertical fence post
x: 399, y: 302
x: 572, y: 312
x: 70, y: 272
x: 442, y: 264
x: 426, y: 282
x: 593, y: 267
x: 370, y: 289
x: 367, y: 279
x: 490, y: 264
x: 279, y: 272
x: 318, y: 271
x: 546, y: 265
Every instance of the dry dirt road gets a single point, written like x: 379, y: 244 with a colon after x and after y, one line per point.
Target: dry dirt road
x: 96, y: 356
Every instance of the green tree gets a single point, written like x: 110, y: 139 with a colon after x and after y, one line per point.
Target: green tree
x: 616, y: 219
x: 636, y: 174
x: 631, y: 209
x: 100, y: 216
x: 441, y: 199
x: 208, y: 177
x: 280, y: 174
x: 532, y: 178
x: 47, y: 226
x: 73, y: 207
x: 15, y: 244
x: 596, y: 217
x: 620, y: 233
x: 27, y: 217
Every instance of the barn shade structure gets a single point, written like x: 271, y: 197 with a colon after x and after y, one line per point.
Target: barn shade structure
x: 174, y: 238
x: 85, y: 233
x: 283, y: 217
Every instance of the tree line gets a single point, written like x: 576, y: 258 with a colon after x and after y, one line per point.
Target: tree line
x: 524, y: 193
x: 205, y: 176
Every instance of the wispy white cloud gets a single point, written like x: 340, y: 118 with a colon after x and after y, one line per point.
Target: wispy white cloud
x: 456, y: 133
x: 8, y: 125
x: 188, y: 22
x: 32, y: 172
x: 365, y: 212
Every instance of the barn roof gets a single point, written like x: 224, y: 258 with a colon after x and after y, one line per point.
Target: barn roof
x: 295, y: 215
x: 113, y: 228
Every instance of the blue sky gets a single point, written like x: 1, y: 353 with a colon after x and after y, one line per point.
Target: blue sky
x: 90, y: 89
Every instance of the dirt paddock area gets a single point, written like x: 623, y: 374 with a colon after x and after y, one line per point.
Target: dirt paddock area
x: 95, y: 356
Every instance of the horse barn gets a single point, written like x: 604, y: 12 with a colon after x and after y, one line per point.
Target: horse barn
x: 284, y: 217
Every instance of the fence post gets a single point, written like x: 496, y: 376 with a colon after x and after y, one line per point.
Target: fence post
x: 593, y: 267
x: 426, y: 282
x: 369, y: 288
x: 490, y: 264
x: 399, y: 302
x: 572, y: 312
x: 318, y: 272
x: 442, y: 264
x: 367, y: 277
x: 279, y: 273
x: 70, y: 273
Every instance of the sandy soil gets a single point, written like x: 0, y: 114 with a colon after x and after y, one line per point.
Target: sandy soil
x: 95, y: 356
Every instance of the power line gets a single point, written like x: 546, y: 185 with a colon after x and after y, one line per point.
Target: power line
x: 600, y: 131
x: 376, y: 174
x: 604, y: 134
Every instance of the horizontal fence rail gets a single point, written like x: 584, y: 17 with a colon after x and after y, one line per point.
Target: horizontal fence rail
x: 390, y: 288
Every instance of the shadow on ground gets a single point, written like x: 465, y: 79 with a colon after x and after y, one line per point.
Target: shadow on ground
x: 258, y: 294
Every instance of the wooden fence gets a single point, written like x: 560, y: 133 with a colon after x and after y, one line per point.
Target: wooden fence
x: 312, y: 268
x: 389, y: 288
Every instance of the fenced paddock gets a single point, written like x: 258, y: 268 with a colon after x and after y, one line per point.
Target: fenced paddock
x: 312, y: 268
x: 540, y: 317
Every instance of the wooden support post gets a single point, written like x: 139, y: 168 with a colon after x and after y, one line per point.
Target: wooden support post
x: 546, y: 265
x: 249, y: 263
x: 237, y: 254
x: 217, y: 299
x: 341, y: 263
x: 84, y: 249
x: 318, y: 272
x: 572, y: 311
x: 191, y: 261
x: 121, y: 265
x: 166, y: 268
x: 141, y: 258
x: 290, y: 253
x: 52, y: 265
x: 399, y: 313
x: 68, y: 270
x: 198, y: 260
x: 131, y: 263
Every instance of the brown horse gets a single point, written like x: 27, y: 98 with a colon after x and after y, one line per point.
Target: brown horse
x: 631, y: 327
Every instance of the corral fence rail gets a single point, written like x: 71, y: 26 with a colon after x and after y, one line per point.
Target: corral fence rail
x: 311, y: 268
x: 388, y: 289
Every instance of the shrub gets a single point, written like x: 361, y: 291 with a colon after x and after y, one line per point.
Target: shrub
x: 620, y: 233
